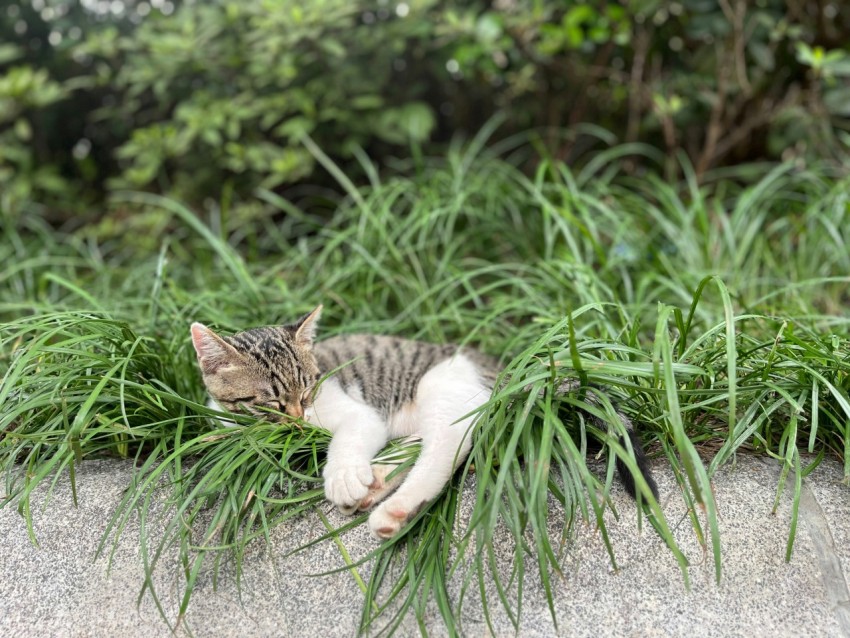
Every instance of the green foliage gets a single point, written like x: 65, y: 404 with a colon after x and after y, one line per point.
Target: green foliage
x: 24, y: 89
x: 714, y: 319
x: 221, y: 93
x: 211, y: 100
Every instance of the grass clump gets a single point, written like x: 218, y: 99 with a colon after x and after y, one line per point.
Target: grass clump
x: 710, y: 314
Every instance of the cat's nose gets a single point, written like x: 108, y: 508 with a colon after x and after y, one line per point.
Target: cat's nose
x: 295, y: 410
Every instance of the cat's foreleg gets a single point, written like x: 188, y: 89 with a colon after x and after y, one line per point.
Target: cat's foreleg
x: 359, y: 432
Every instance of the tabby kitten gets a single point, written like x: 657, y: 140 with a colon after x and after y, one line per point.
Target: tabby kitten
x: 383, y: 388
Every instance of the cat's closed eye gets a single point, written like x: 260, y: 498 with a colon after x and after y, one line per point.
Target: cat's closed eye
x: 251, y: 404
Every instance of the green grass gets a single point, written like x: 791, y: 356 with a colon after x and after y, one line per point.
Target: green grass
x: 714, y: 315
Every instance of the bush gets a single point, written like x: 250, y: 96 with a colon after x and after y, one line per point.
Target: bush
x: 210, y: 99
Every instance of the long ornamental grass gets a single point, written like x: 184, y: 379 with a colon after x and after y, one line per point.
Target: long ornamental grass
x: 714, y: 315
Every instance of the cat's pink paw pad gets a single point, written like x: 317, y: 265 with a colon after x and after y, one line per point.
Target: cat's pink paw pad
x: 386, y: 529
x: 381, y: 486
x: 377, y: 491
x: 387, y: 532
x: 386, y: 521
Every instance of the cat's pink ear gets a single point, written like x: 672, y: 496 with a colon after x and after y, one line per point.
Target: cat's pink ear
x: 213, y: 351
x: 305, y: 328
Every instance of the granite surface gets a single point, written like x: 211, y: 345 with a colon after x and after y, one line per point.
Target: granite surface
x: 58, y: 588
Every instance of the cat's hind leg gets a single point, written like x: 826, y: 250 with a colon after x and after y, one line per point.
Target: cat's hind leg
x: 446, y: 396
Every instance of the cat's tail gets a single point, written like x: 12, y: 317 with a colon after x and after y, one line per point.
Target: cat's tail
x: 642, y: 462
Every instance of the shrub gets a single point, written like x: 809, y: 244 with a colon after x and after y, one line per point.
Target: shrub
x: 208, y: 100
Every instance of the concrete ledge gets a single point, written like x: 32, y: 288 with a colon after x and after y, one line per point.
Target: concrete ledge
x: 58, y: 589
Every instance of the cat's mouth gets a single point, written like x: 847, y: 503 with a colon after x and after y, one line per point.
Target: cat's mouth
x: 285, y: 416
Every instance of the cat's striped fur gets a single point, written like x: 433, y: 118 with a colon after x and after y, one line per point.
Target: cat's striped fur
x: 385, y: 370
x: 373, y: 388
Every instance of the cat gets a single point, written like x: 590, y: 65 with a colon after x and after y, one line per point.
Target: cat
x: 365, y: 390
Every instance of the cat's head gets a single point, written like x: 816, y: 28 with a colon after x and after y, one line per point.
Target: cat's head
x: 270, y: 367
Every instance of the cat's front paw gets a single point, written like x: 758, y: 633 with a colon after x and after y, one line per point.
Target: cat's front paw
x: 389, y: 517
x: 346, y: 484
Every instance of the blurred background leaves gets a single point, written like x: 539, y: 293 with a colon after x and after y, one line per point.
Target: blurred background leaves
x: 208, y: 100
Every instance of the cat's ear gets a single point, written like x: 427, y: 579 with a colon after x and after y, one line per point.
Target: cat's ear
x: 213, y: 351
x: 304, y: 330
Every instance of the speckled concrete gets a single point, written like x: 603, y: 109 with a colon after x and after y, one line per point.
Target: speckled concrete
x: 59, y: 589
